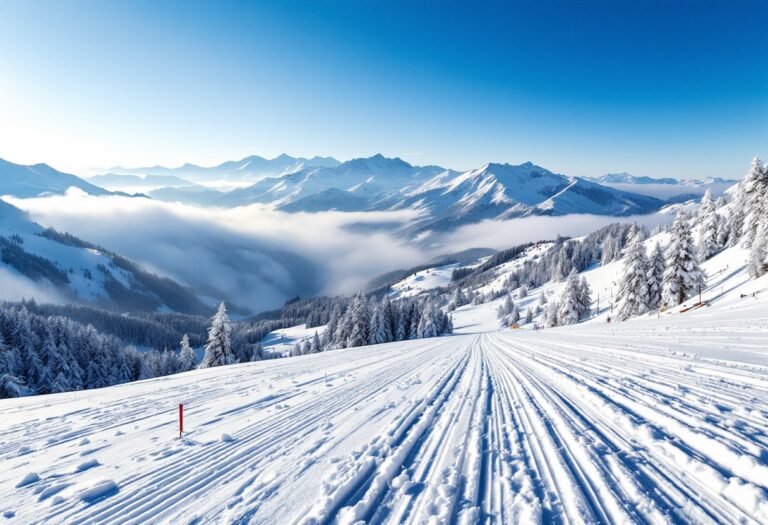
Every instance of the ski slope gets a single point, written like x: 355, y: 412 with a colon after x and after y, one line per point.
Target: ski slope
x: 650, y: 421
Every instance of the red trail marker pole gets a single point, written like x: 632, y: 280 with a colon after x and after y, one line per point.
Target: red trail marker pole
x: 181, y: 419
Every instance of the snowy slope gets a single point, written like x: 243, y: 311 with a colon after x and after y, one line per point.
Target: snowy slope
x: 39, y: 179
x: 652, y: 421
x: 67, y: 269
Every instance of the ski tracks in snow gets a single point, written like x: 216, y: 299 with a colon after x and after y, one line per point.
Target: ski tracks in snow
x: 494, y: 428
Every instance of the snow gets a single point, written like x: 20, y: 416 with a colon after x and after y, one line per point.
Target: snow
x: 423, y: 280
x: 282, y: 341
x: 658, y: 419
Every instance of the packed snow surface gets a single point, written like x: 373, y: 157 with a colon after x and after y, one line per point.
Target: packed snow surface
x: 652, y: 420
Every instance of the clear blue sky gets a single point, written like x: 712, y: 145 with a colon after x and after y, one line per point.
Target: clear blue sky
x: 654, y: 88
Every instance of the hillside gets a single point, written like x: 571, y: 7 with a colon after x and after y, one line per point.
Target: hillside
x: 62, y: 268
x: 40, y: 179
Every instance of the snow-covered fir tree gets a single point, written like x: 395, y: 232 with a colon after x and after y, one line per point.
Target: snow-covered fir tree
x: 754, y: 186
x: 708, y: 225
x: 379, y: 329
x: 633, y: 294
x: 528, y: 315
x: 428, y: 323
x: 315, y: 344
x: 683, y: 276
x: 187, y: 359
x: 505, y: 308
x: 459, y: 299
x: 656, y: 267
x: 570, y: 306
x: 359, y: 334
x: 218, y: 349
x: 585, y: 298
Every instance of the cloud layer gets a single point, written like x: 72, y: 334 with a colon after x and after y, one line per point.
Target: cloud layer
x: 258, y: 257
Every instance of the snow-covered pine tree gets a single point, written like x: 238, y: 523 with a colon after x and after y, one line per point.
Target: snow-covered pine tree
x: 656, y: 267
x: 459, y: 299
x: 633, y: 291
x: 187, y: 359
x: 359, y: 334
x: 523, y: 293
x: 609, y: 249
x: 542, y: 298
x: 755, y: 185
x: 218, y: 350
x: 528, y: 315
x: 427, y: 323
x: 10, y: 386
x: 708, y: 224
x: 415, y: 319
x: 333, y: 323
x: 683, y: 276
x: 570, y: 307
x: 551, y: 314
x: 401, y: 323
x: 585, y: 298
x: 388, y: 320
x: 378, y: 326
x: 505, y: 308
x: 757, y: 263
x: 314, y: 347
x: 514, y: 315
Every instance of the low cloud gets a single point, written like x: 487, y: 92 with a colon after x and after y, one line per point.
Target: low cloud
x: 254, y: 255
x: 504, y: 234
x: 17, y: 288
x: 257, y: 257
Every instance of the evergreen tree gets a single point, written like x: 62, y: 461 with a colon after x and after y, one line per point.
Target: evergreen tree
x: 585, y: 297
x: 655, y: 274
x: 315, y: 347
x: 10, y: 386
x: 360, y: 323
x: 505, y: 308
x: 633, y: 293
x: 187, y: 359
x: 378, y: 327
x: 459, y: 299
x: 427, y: 325
x: 682, y: 276
x: 570, y: 306
x: 528, y: 315
x: 218, y: 350
x: 388, y: 320
x: 709, y: 225
x: 755, y: 185
x: 415, y: 319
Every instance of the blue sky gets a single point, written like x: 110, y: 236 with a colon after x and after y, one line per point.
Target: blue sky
x: 584, y: 88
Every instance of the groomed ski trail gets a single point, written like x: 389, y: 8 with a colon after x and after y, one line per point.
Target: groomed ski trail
x: 583, y: 425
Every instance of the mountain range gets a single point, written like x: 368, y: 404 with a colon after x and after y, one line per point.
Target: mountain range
x: 443, y: 198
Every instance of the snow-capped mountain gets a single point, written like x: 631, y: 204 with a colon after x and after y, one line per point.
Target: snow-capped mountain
x: 252, y: 167
x: 672, y: 190
x: 40, y: 179
x: 365, y: 180
x: 445, y: 198
x: 627, y: 178
x: 62, y: 267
